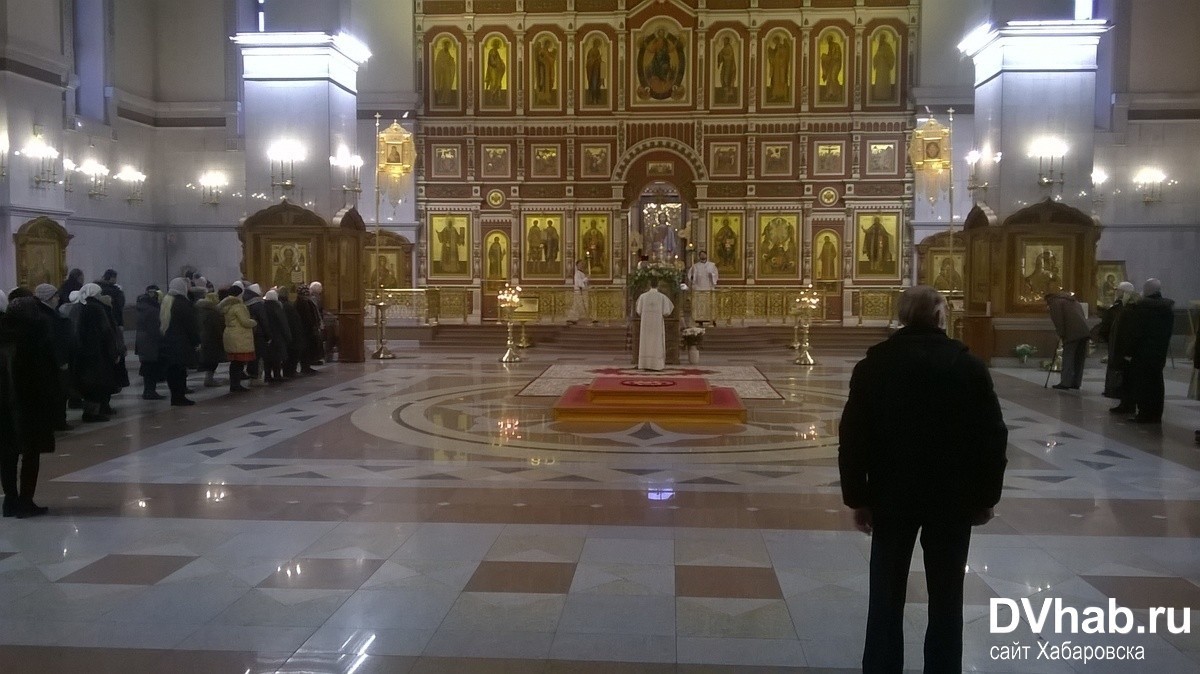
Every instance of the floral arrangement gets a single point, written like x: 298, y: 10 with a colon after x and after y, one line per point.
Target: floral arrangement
x: 693, y: 336
x: 644, y: 277
x: 1024, y: 351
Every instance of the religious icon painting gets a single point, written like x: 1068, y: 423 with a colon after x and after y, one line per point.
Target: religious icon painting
x: 778, y: 75
x: 496, y: 255
x: 289, y: 263
x: 595, y: 72
x: 726, y: 241
x: 542, y: 257
x: 884, y: 67
x: 881, y: 158
x: 660, y: 63
x: 777, y: 159
x: 545, y: 72
x: 945, y: 271
x: 496, y: 161
x: 545, y: 161
x: 877, y: 246
x: 1042, y: 263
x: 1109, y: 273
x: 827, y: 255
x: 495, y: 59
x: 830, y: 64
x: 594, y: 160
x: 778, y: 246
x: 660, y: 169
x: 830, y: 160
x: 594, y: 239
x: 444, y: 81
x: 382, y: 269
x: 446, y: 162
x: 726, y: 80
x: 449, y: 240
x: 724, y: 159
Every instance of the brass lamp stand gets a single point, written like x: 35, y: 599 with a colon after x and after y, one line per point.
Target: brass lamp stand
x: 509, y: 299
x: 806, y: 307
x: 395, y: 154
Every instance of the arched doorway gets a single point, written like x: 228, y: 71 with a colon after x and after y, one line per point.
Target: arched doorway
x: 658, y: 215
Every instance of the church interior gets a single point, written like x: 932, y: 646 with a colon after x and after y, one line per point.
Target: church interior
x: 493, y: 468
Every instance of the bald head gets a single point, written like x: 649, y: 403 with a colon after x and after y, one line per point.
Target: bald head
x: 1152, y: 286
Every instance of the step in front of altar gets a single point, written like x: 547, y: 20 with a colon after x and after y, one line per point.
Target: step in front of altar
x: 668, y: 399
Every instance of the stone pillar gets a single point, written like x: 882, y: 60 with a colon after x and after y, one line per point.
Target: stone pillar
x: 301, y: 87
x: 1033, y: 79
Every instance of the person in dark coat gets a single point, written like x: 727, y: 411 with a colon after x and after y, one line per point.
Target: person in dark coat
x: 312, y: 347
x: 1151, y: 322
x: 94, y: 372
x: 922, y: 451
x: 296, y: 342
x: 1072, y: 329
x: 252, y: 297
x: 72, y: 283
x: 28, y: 395
x: 146, y: 344
x: 60, y: 335
x: 180, y: 328
x: 281, y: 337
x: 109, y: 288
x: 212, y: 327
x: 1109, y: 331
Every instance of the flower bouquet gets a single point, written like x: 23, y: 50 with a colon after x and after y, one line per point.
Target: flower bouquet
x: 693, y: 336
x: 1024, y: 351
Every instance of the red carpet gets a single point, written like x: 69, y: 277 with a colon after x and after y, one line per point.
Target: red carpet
x: 668, y: 399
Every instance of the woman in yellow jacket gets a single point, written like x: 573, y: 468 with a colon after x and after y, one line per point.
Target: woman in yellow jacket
x: 238, y: 337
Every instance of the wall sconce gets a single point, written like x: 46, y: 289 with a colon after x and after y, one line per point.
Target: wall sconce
x: 1149, y: 182
x: 136, y: 180
x: 68, y: 168
x: 352, y: 165
x: 1049, y: 151
x: 1099, y: 177
x: 211, y: 184
x: 4, y: 154
x: 98, y: 173
x: 285, y: 153
x: 973, y: 184
x: 45, y: 173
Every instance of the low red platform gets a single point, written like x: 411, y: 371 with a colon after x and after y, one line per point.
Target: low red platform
x: 668, y: 399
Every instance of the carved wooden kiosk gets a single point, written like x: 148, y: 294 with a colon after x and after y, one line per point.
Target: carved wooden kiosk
x: 41, y: 253
x: 1046, y: 247
x: 286, y: 245
x: 397, y: 260
x: 941, y: 261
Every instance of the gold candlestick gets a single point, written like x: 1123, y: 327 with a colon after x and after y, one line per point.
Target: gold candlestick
x: 806, y: 307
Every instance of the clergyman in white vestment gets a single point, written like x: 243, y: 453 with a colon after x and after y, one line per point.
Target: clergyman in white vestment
x: 702, y: 277
x: 653, y: 306
x: 579, y: 298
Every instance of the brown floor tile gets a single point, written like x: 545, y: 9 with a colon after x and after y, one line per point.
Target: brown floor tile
x: 1144, y: 592
x: 128, y: 569
x: 546, y: 577
x: 727, y: 582
x: 323, y: 574
x: 975, y: 591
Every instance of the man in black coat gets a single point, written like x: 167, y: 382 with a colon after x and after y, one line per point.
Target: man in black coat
x: 179, y: 340
x: 109, y: 288
x: 147, y: 342
x: 28, y: 394
x: 922, y: 450
x: 296, y: 343
x: 1151, y: 321
x: 252, y: 296
x: 312, y: 346
x: 73, y: 282
x: 96, y: 356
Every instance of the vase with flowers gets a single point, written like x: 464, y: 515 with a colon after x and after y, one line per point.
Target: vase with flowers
x: 1024, y: 351
x: 692, y: 338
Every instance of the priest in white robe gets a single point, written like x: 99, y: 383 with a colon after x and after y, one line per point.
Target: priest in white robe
x: 579, y: 298
x: 653, y: 307
x: 702, y: 277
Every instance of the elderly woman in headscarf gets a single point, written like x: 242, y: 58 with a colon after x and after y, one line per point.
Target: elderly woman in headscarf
x: 180, y: 330
x: 60, y: 336
x: 148, y: 340
x: 238, y: 336
x: 28, y: 394
x: 281, y: 335
x: 94, y: 370
x: 212, y: 325
x: 72, y: 283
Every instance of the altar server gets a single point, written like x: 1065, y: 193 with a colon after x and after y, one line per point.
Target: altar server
x: 653, y: 306
x: 702, y: 277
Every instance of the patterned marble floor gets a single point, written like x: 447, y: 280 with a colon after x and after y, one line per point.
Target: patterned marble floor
x: 429, y: 515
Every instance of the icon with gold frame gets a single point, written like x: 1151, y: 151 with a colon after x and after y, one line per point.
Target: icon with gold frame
x: 543, y: 246
x: 545, y: 161
x: 496, y: 161
x: 726, y: 241
x: 446, y: 162
x: 496, y: 255
x: 595, y: 244
x: 877, y: 245
x: 778, y: 246
x: 449, y: 246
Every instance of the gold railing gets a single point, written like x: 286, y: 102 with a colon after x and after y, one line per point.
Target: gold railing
x: 423, y: 306
x: 610, y: 304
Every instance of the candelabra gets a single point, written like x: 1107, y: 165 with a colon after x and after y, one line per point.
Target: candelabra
x: 45, y: 155
x: 285, y: 154
x: 136, y: 181
x: 382, y: 352
x: 805, y: 306
x: 1049, y: 152
x: 352, y: 165
x: 1149, y: 182
x: 97, y: 174
x: 211, y: 185
x: 510, y: 298
x: 973, y: 184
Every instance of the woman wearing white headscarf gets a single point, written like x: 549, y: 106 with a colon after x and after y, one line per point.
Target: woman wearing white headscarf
x: 180, y: 328
x: 96, y: 355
